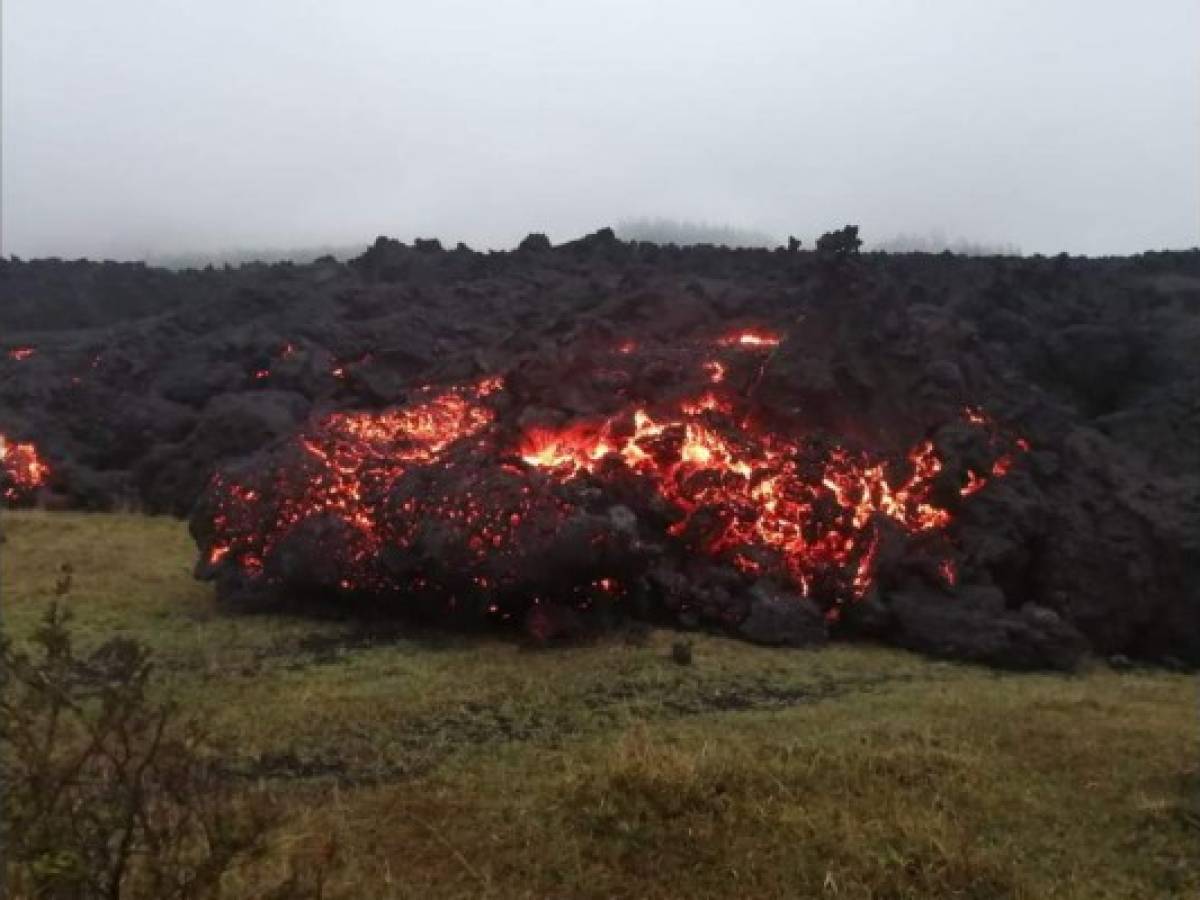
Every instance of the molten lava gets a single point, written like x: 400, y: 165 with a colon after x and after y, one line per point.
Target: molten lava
x: 750, y: 339
x: 348, y: 463
x: 759, y: 500
x: 445, y: 495
x: 22, y: 471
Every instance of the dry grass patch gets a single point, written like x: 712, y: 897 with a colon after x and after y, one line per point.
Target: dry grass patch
x: 448, y: 766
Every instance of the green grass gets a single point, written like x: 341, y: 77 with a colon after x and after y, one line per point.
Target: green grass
x: 447, y: 766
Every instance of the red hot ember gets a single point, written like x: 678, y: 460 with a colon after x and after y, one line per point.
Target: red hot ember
x: 22, y: 471
x: 447, y: 498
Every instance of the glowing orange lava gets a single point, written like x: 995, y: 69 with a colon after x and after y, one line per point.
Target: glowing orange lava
x: 350, y: 460
x: 974, y: 484
x: 22, y: 471
x: 751, y: 339
x: 758, y: 500
x: 444, y: 472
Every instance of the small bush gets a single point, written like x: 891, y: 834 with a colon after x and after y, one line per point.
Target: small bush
x: 109, y: 793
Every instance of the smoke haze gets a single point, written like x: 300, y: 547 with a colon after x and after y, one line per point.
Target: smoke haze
x: 153, y: 127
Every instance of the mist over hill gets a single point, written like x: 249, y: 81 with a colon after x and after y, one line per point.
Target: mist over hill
x: 237, y: 256
x: 936, y: 241
x: 660, y: 230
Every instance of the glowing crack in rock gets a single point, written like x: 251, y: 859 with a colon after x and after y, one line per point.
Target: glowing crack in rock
x: 447, y: 471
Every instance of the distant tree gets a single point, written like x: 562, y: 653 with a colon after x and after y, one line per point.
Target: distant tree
x: 836, y: 246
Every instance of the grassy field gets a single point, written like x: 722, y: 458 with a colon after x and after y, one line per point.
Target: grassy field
x: 446, y: 766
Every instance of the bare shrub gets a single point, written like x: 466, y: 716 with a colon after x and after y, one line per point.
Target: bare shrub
x: 108, y: 792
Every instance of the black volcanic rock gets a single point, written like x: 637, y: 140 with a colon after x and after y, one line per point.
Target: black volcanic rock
x: 1033, y: 637
x: 535, y: 243
x: 780, y: 618
x: 143, y: 382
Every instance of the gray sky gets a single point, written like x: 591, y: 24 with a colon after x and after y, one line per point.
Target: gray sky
x: 167, y: 125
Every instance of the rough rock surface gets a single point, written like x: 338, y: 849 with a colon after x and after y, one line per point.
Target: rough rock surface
x: 782, y: 619
x: 143, y: 382
x: 1030, y: 638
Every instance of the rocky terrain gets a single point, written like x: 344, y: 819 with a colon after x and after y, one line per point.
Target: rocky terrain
x: 135, y: 385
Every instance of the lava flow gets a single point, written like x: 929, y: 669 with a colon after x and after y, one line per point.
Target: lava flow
x: 22, y: 471
x: 448, y: 495
x: 763, y: 501
x: 345, y: 470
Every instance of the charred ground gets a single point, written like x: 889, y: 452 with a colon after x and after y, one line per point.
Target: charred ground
x: 135, y: 384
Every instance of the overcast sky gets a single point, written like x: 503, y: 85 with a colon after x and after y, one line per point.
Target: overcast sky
x: 156, y: 126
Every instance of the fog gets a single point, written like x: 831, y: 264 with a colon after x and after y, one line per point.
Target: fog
x: 152, y: 127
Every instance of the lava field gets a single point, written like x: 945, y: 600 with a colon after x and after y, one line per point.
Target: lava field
x: 990, y: 459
